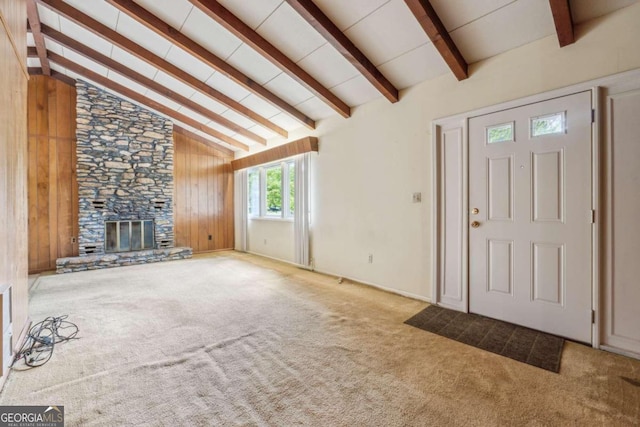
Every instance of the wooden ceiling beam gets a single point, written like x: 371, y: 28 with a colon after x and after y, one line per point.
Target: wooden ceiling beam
x: 129, y: 93
x: 138, y: 51
x: 432, y: 25
x: 32, y: 52
x: 561, y: 11
x: 231, y: 23
x: 165, y: 30
x: 142, y: 80
x: 34, y: 23
x: 327, y: 29
x: 185, y: 132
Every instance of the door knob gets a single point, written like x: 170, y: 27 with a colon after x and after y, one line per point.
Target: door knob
x: 475, y: 211
x: 475, y: 224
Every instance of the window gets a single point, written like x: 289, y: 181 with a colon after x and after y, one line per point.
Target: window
x: 548, y: 125
x: 272, y: 190
x: 500, y: 133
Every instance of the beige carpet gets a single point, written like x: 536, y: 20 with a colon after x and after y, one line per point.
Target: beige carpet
x: 233, y: 339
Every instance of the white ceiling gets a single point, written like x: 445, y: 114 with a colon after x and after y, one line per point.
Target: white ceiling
x: 384, y: 30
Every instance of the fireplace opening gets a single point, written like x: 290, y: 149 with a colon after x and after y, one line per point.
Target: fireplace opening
x: 126, y: 236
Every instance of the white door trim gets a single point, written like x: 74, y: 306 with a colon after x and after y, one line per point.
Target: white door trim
x: 438, y: 215
x: 610, y: 340
x: 598, y: 208
x: 461, y: 121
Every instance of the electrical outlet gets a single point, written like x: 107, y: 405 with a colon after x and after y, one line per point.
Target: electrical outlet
x: 73, y: 240
x: 370, y: 258
x: 417, y: 197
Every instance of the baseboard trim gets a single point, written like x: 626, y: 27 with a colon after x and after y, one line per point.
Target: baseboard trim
x: 213, y: 251
x: 377, y: 286
x: 273, y: 258
x: 327, y: 273
x: 620, y: 351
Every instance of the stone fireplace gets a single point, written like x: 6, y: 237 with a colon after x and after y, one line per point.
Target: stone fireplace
x: 125, y: 180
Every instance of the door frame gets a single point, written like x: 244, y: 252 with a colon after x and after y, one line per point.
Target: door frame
x: 452, y: 232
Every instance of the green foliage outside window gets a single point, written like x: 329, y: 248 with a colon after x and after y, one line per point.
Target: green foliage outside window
x: 274, y: 190
x: 547, y: 125
x: 500, y: 133
x: 272, y: 187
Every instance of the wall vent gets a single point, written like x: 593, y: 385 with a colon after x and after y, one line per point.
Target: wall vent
x: 98, y: 204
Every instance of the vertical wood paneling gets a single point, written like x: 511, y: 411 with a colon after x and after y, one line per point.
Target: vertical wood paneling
x: 52, y: 189
x: 228, y: 199
x: 41, y: 230
x: 179, y: 196
x: 53, y: 198
x: 203, y: 186
x: 33, y: 201
x: 13, y: 165
x: 64, y: 205
x: 215, y: 204
x: 193, y: 185
x: 203, y: 197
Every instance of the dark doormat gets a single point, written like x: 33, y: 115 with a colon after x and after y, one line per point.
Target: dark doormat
x: 516, y: 342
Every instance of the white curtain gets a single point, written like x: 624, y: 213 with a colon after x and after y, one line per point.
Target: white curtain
x: 241, y: 189
x: 301, y: 219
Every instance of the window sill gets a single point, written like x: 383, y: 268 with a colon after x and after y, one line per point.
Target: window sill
x: 266, y: 218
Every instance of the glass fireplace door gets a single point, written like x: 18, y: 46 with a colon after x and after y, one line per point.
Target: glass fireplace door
x: 125, y: 236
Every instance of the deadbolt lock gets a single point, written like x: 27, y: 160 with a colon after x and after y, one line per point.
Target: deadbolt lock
x: 475, y: 224
x: 475, y: 211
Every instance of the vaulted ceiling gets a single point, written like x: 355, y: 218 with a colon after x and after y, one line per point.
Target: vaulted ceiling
x: 241, y: 72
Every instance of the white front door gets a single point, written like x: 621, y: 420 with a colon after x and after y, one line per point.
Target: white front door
x: 530, y: 218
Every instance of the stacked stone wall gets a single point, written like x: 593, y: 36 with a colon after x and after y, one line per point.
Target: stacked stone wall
x: 124, y: 168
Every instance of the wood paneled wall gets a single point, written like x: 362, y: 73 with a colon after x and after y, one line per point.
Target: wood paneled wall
x: 13, y: 162
x: 53, y: 189
x: 203, y: 195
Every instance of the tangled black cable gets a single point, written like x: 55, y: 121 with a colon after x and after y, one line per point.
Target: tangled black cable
x: 42, y: 337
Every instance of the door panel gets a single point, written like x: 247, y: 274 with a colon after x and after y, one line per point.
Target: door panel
x: 548, y: 185
x: 500, y: 263
x: 548, y: 276
x: 530, y: 255
x: 622, y: 287
x: 500, y: 185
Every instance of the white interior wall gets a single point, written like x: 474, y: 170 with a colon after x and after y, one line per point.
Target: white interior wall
x: 272, y: 238
x: 369, y: 165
